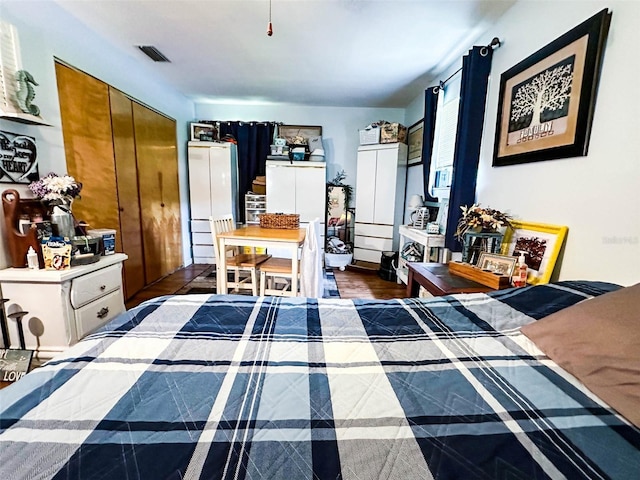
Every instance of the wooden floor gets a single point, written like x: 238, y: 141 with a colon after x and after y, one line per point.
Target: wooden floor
x: 352, y: 283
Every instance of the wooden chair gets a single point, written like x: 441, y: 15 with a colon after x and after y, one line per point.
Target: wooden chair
x: 237, y: 262
x: 274, y: 271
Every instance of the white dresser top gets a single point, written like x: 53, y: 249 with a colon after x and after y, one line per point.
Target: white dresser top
x: 58, y: 276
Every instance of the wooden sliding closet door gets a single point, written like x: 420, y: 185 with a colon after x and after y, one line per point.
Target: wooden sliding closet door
x: 125, y: 155
x: 88, y: 146
x: 156, y: 153
x: 127, y: 186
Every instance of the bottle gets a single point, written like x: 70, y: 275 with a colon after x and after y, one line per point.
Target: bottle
x: 519, y: 278
x: 32, y: 259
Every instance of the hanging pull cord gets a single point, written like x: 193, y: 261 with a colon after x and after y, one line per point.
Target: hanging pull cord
x: 270, y: 26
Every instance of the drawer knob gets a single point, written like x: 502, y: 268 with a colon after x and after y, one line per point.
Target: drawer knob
x: 104, y: 311
x: 103, y: 287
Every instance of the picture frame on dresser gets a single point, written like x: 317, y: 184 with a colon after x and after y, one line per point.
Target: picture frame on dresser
x: 542, y: 244
x: 203, y: 132
x: 499, y: 264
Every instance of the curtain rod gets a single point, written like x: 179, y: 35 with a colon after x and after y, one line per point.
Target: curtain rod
x: 495, y: 43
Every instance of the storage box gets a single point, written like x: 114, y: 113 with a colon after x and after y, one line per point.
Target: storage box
x: 259, y: 185
x: 108, y: 239
x: 370, y: 136
x: 57, y: 253
x: 393, y: 133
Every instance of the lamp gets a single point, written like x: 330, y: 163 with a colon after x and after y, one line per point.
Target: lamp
x: 415, y: 201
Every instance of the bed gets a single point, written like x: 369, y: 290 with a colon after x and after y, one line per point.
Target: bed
x: 216, y: 386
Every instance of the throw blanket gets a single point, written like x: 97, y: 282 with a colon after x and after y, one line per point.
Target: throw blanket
x: 208, y: 387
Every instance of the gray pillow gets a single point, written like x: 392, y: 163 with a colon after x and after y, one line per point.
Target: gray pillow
x: 598, y: 341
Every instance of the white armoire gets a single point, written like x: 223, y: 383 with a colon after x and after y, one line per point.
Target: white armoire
x: 213, y: 192
x: 297, y: 187
x: 380, y: 183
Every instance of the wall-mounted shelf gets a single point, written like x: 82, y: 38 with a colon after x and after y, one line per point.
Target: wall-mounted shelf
x: 23, y: 118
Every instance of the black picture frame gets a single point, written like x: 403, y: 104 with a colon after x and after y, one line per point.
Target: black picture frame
x: 414, y: 143
x: 569, y: 68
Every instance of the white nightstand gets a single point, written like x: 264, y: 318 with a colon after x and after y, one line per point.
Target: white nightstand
x: 428, y: 240
x: 64, y: 306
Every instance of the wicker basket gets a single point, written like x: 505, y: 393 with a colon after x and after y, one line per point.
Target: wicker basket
x: 288, y: 221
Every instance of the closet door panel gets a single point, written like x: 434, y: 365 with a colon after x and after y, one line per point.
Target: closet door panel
x: 366, y: 186
x: 157, y: 164
x: 385, y: 194
x: 129, y: 234
x: 310, y: 193
x: 88, y: 145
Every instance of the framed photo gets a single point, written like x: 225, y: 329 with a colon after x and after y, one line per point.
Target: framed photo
x: 416, y: 132
x: 498, y: 264
x: 540, y: 242
x: 203, y: 132
x: 546, y: 102
x: 298, y: 134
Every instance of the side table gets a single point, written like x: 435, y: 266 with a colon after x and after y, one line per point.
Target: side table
x: 438, y: 281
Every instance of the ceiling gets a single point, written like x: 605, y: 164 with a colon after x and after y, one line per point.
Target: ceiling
x: 356, y: 53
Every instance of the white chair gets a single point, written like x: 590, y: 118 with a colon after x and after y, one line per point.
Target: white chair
x: 236, y: 262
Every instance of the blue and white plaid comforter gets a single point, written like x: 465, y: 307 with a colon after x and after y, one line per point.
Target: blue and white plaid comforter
x: 207, y: 387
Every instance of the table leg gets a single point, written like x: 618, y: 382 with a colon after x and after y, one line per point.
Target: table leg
x: 221, y: 278
x: 294, y: 271
x: 413, y: 287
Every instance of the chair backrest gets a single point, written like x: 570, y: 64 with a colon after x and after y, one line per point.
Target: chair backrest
x: 220, y: 225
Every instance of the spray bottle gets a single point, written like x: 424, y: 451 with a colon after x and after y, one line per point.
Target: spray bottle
x: 519, y: 278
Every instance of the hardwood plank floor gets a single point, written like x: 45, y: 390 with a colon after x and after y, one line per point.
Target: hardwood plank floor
x: 352, y: 283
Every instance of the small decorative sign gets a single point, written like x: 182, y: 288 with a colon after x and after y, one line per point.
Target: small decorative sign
x: 18, y: 158
x: 14, y: 364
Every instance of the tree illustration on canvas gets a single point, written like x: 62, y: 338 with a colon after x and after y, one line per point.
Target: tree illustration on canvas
x: 541, y: 99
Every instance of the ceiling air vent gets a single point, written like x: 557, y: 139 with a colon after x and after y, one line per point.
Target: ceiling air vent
x: 153, y: 53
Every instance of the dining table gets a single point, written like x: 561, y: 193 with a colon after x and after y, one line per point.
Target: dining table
x: 256, y: 236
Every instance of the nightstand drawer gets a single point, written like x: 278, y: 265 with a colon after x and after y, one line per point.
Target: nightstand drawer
x: 92, y: 286
x: 94, y: 315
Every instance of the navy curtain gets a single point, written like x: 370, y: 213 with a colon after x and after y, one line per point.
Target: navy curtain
x: 254, y: 144
x: 428, y: 131
x: 476, y: 67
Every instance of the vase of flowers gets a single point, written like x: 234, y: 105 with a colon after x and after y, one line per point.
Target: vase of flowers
x: 58, y: 192
x: 478, y: 219
x: 54, y: 189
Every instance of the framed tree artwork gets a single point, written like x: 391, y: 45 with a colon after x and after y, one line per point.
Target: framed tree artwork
x: 546, y: 103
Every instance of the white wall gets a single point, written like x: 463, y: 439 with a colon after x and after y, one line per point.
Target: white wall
x: 46, y: 31
x: 339, y: 126
x: 596, y: 196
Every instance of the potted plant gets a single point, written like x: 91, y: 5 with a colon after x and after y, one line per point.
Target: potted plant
x: 339, y: 221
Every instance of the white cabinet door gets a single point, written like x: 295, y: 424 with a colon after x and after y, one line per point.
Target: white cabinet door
x: 281, y: 189
x: 199, y: 183
x: 385, y: 192
x: 310, y: 193
x: 366, y: 186
x: 221, y: 181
